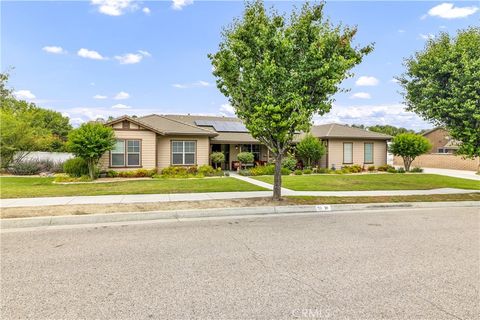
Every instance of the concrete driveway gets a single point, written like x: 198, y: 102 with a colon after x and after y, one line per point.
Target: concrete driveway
x: 395, y: 264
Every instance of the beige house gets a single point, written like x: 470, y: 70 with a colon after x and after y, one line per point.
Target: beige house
x: 159, y: 141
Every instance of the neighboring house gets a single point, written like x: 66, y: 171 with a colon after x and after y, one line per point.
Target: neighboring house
x: 441, y: 141
x: 159, y: 141
x: 442, y: 154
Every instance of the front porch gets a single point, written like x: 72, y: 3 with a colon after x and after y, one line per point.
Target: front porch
x: 231, y: 150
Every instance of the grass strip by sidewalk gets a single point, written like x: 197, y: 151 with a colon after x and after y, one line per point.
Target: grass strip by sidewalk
x: 233, y: 203
x: 27, y: 187
x: 365, y: 182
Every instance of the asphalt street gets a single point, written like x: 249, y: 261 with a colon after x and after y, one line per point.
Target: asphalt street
x: 391, y: 264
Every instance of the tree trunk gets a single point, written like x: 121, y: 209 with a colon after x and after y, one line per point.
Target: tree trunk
x: 91, y: 169
x: 277, y: 179
x: 406, y: 163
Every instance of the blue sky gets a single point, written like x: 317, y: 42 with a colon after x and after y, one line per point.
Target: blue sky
x: 90, y: 59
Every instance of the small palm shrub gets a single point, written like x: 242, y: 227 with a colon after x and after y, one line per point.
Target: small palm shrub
x: 416, y: 169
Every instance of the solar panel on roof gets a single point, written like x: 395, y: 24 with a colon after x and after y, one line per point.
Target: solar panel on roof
x: 223, y: 126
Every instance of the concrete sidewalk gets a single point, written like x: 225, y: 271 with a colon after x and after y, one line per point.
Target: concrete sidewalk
x: 138, y: 198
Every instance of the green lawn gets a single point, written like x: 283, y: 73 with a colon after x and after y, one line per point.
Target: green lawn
x: 372, y: 182
x: 26, y: 187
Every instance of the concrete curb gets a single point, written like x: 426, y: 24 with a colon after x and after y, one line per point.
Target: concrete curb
x: 15, y: 223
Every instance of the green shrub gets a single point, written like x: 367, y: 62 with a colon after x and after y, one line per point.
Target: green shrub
x: 391, y: 170
x: 75, y: 167
x: 244, y: 172
x: 285, y: 172
x: 385, y: 167
x: 192, y: 170
x: 400, y: 170
x: 371, y: 168
x: 416, y: 169
x: 323, y: 170
x: 290, y: 163
x: 206, y: 170
x: 298, y: 172
x: 245, y: 157
x: 352, y: 169
x: 263, y: 170
x: 307, y: 171
x: 217, y: 157
x: 112, y: 174
x: 25, y: 168
x: 175, y: 172
x: 63, y: 178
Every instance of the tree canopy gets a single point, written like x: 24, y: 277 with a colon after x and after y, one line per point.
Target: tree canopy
x: 442, y: 84
x: 310, y: 150
x: 277, y: 72
x: 27, y: 127
x: 409, y: 146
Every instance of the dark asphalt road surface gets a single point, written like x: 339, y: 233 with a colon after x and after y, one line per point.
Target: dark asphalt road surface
x: 392, y: 264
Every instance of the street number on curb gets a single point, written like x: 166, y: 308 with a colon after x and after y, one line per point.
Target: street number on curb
x: 323, y: 208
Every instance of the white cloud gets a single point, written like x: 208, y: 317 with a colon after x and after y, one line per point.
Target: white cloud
x: 401, y: 31
x: 394, y: 80
x: 426, y: 36
x: 99, y: 97
x: 360, y: 95
x: 122, y: 95
x: 54, y: 49
x: 449, y: 11
x: 146, y: 10
x: 24, y: 95
x: 145, y: 53
x: 197, y: 84
x: 120, y: 106
x: 179, y: 4
x: 366, y: 81
x: 443, y: 27
x: 115, y: 7
x: 90, y: 54
x: 392, y: 114
x: 227, y: 110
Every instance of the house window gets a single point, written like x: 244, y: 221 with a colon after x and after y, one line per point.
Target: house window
x: 133, y: 152
x: 183, y: 152
x: 126, y: 153
x: 368, y: 153
x: 254, y: 149
x: 348, y: 152
x: 118, y: 154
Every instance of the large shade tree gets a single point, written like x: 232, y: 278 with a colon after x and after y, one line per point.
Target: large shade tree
x: 26, y: 127
x: 277, y: 72
x: 442, y: 85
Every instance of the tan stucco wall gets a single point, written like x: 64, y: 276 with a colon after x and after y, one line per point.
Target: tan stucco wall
x: 442, y: 161
x: 335, y: 152
x: 148, y: 139
x: 165, y: 155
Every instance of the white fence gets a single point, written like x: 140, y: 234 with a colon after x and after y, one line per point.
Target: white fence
x: 40, y: 155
